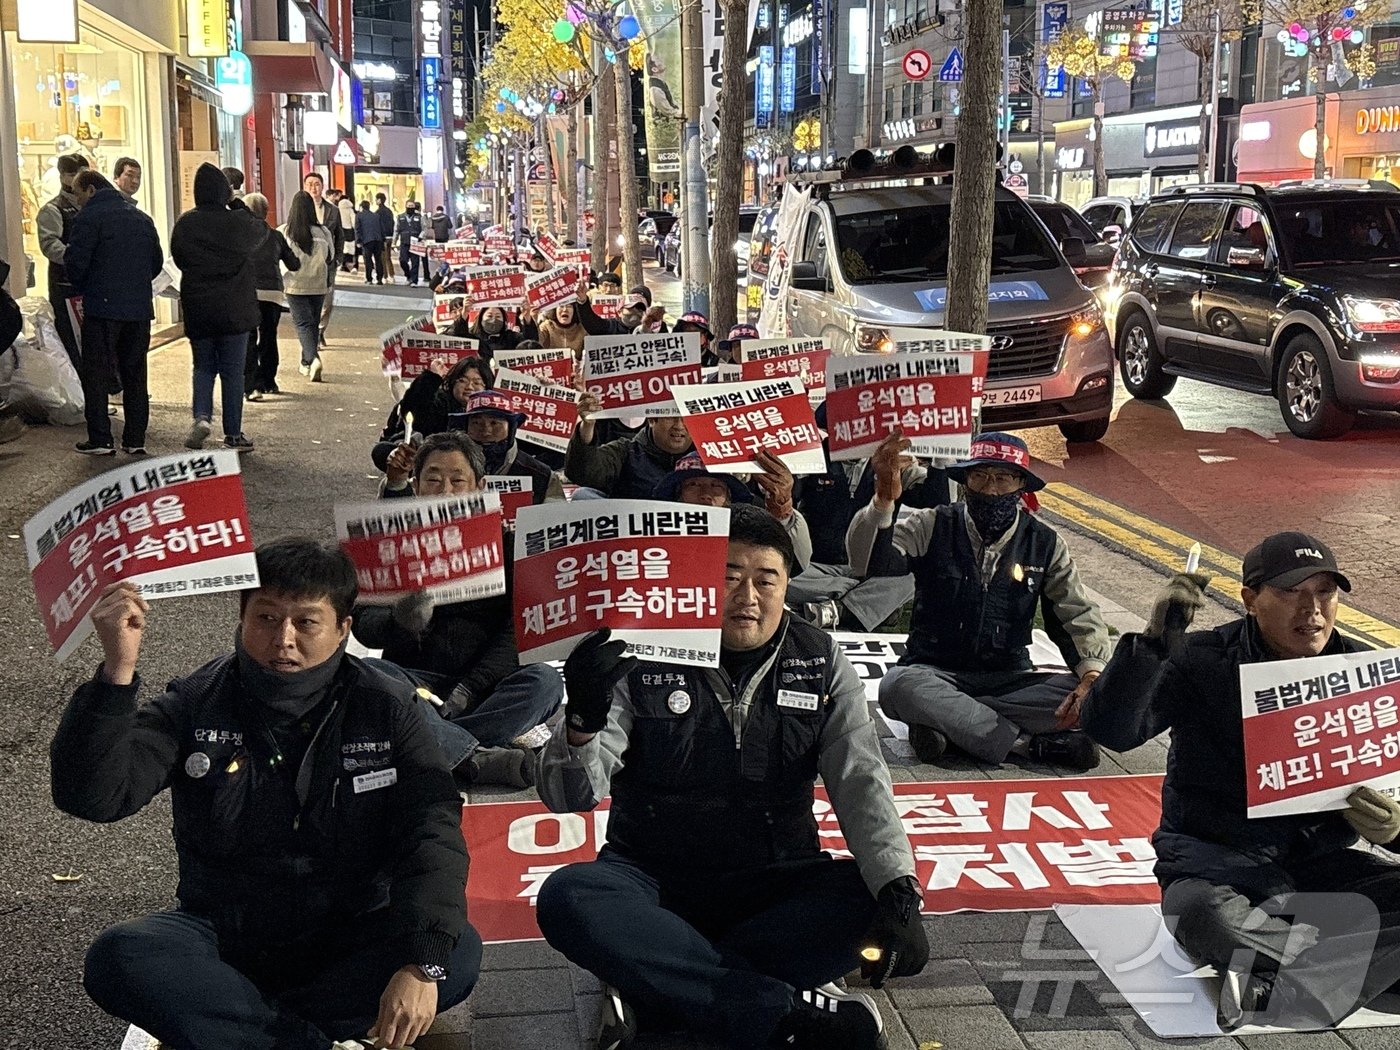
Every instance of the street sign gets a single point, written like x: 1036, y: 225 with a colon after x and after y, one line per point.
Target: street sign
x: 1015, y: 167
x: 952, y: 71
x: 917, y: 64
x: 1016, y: 184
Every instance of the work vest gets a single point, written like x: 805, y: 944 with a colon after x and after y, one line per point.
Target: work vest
x: 961, y: 624
x: 687, y: 796
x: 58, y: 274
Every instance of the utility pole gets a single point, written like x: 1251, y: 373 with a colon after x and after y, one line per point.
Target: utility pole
x: 1212, y: 100
x: 1004, y: 135
x: 695, y: 234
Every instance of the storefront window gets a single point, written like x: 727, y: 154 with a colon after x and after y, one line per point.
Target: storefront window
x: 86, y: 98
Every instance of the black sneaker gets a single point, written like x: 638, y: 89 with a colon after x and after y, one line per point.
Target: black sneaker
x: 1071, y: 749
x: 820, y: 1021
x: 617, y: 1025
x: 238, y: 443
x: 90, y: 448
x: 928, y: 743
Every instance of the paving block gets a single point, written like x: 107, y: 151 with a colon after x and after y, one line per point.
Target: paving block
x: 947, y: 982
x: 587, y: 1009
x: 521, y: 955
x: 511, y: 993
x: 1371, y: 1038
x: 1047, y: 1001
x: 1142, y: 1037
x: 584, y: 982
x: 535, y: 1031
x: 1294, y: 1041
x: 978, y: 927
x: 897, y: 1037
x: 456, y: 1021
x: 958, y: 1027
x: 443, y: 1041
x: 1094, y: 1040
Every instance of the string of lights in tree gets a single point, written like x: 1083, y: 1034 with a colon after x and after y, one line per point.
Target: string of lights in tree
x: 611, y: 23
x: 1298, y: 37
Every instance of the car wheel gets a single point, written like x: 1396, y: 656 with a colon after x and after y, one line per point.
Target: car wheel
x: 1306, y: 396
x: 1085, y: 430
x: 1138, y: 360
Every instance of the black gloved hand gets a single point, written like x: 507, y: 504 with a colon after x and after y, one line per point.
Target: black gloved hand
x: 1176, y: 607
x: 459, y: 702
x: 897, y: 935
x: 590, y: 673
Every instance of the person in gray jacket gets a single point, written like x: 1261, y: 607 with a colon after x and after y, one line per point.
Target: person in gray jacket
x: 713, y: 905
x: 981, y: 569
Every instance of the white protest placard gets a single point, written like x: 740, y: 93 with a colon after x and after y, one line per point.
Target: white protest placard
x: 1318, y: 728
x: 632, y: 375
x: 919, y: 341
x: 448, y: 546
x: 770, y: 358
x: 545, y: 291
x: 928, y: 396
x: 172, y: 525
x: 606, y: 306
x: 495, y: 286
x: 446, y: 308
x: 408, y: 352
x: 551, y: 365
x: 652, y: 572
x: 515, y: 491
x: 551, y: 411
x: 730, y: 422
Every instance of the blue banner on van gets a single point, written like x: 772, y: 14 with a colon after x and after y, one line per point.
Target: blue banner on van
x: 999, y: 292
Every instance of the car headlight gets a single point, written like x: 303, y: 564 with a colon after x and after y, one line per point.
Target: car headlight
x: 1373, y: 315
x: 1086, y: 322
x: 871, y: 339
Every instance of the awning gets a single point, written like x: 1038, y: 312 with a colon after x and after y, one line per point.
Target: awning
x: 295, y: 69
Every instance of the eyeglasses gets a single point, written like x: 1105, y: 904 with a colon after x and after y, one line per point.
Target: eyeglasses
x: 1006, y: 480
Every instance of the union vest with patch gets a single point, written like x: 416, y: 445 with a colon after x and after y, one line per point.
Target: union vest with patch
x: 58, y: 276
x: 689, y: 795
x: 961, y: 624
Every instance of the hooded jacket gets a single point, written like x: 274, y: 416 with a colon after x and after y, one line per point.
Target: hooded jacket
x: 267, y: 277
x: 487, y: 345
x: 629, y: 468
x: 213, y: 244
x: 113, y: 256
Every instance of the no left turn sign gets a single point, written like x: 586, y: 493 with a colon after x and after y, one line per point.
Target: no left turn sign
x: 917, y: 64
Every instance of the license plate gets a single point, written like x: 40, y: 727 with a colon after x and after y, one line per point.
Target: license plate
x: 1010, y: 395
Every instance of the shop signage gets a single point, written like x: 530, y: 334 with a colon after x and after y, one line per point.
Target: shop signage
x: 1179, y: 138
x: 318, y: 128
x: 375, y: 71
x: 763, y: 88
x: 430, y: 110
x: 341, y: 103
x: 787, y: 81
x: 367, y: 138
x: 430, y: 26
x: 1378, y: 120
x: 208, y: 28
x: 1126, y: 32
x: 904, y: 32
x: 1069, y: 158
x: 233, y: 76
x: 797, y: 30
x: 1053, y: 21
x: 895, y: 130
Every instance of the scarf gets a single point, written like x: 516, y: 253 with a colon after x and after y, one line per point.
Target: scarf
x: 992, y: 514
x: 286, y: 695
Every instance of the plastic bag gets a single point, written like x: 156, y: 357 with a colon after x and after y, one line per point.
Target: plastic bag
x: 42, y: 384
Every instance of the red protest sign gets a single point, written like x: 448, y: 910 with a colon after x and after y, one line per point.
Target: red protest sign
x: 461, y: 253
x: 1317, y: 728
x: 653, y: 572
x: 605, y: 305
x: 409, y: 352
x: 553, y: 365
x: 499, y: 242
x: 495, y: 286
x: 928, y: 396
x: 549, y: 247
x: 449, y: 546
x: 417, y: 247
x: 919, y: 341
x: 552, y: 288
x: 551, y: 412
x: 172, y: 525
x: 730, y: 422
x: 514, y: 492
x: 999, y: 845
x: 632, y: 375
x: 446, y: 308
x: 772, y: 358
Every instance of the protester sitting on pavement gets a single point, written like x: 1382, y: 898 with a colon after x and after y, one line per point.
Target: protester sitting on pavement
x: 713, y: 904
x: 635, y: 313
x: 463, y: 652
x: 629, y: 467
x: 317, y: 829
x: 441, y: 391
x: 1215, y: 864
x: 691, y: 482
x: 694, y: 321
x: 491, y: 422
x: 981, y: 568
x: 561, y: 327
x: 490, y: 329
x: 727, y: 349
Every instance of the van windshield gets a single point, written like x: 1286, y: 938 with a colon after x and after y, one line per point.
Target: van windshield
x: 1333, y: 232
x: 911, y: 244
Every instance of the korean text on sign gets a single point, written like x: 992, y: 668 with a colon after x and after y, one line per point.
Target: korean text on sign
x: 551, y: 412
x: 918, y: 341
x: 514, y: 491
x: 555, y: 287
x: 173, y: 525
x: 418, y: 350
x: 653, y: 572
x: 772, y: 358
x: 449, y: 546
x: 730, y: 422
x: 1315, y: 729
x: 495, y: 286
x: 445, y: 308
x: 554, y: 365
x: 928, y: 396
x: 632, y: 375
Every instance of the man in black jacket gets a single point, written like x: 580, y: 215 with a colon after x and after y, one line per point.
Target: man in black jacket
x: 55, y: 224
x: 1295, y: 960
x: 629, y: 467
x: 408, y: 229
x: 386, y: 235
x: 322, y: 868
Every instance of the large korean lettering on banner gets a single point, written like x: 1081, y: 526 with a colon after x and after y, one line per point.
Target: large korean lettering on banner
x: 554, y: 365
x: 999, y: 845
x: 495, y: 286
x: 514, y: 491
x: 175, y: 525
x: 555, y: 287
x: 632, y: 375
x: 460, y: 253
x: 408, y: 352
x: 771, y: 358
x: 928, y: 396
x: 1315, y: 729
x: 730, y: 422
x: 449, y: 546
x: 921, y: 341
x: 653, y: 572
x: 551, y: 411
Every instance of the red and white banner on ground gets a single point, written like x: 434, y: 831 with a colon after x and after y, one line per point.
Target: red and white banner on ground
x: 514, y: 491
x: 1316, y: 729
x: 551, y: 411
x: 928, y: 396
x: 773, y: 358
x: 553, y: 365
x: 730, y: 422
x: 632, y: 375
x: 407, y: 352
x: 998, y: 845
x: 174, y: 525
x: 449, y: 546
x: 545, y: 291
x: 653, y: 572
x: 495, y: 286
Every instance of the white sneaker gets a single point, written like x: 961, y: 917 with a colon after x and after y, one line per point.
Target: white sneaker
x: 198, y: 433
x: 304, y: 369
x: 316, y: 369
x: 534, y: 738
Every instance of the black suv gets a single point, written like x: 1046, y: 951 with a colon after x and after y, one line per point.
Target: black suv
x: 1292, y: 291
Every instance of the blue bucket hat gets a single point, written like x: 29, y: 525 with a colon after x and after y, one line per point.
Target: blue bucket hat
x: 997, y: 449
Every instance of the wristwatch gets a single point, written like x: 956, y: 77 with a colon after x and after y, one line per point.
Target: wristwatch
x: 432, y: 971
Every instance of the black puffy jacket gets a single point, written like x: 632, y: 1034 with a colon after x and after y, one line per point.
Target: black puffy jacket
x: 213, y: 244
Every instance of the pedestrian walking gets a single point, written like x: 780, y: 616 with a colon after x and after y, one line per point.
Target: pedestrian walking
x: 113, y: 254
x: 213, y: 244
x: 350, y: 256
x: 260, y: 370
x: 55, y: 223
x: 386, y: 237
x: 442, y: 225
x: 371, y: 242
x: 305, y: 288
x: 408, y: 229
x: 328, y: 214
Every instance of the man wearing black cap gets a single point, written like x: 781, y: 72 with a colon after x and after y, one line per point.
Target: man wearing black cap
x: 981, y: 569
x: 1215, y: 865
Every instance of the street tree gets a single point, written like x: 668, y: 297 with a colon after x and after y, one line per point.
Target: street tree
x: 629, y: 202
x: 1082, y: 54
x: 1201, y: 21
x: 729, y: 162
x: 1323, y: 28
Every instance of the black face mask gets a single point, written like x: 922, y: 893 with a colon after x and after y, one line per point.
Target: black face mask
x: 992, y: 514
x: 496, y: 452
x: 493, y: 325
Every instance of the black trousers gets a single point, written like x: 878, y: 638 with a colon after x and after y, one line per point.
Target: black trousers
x: 374, y: 260
x: 58, y: 300
x: 171, y: 975
x: 115, y: 348
x: 260, y: 366
x: 408, y: 263
x: 720, y: 954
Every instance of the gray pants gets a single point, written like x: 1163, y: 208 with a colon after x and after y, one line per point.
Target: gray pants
x: 328, y: 305
x: 871, y: 601
x: 980, y: 712
x: 1333, y: 944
